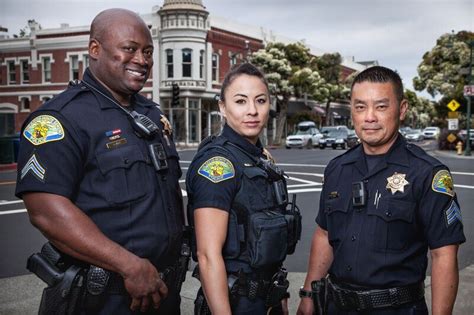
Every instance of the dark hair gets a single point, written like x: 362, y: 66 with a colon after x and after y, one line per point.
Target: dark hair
x: 237, y: 70
x: 379, y: 74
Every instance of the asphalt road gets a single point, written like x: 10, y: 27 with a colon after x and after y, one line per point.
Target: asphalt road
x: 305, y: 168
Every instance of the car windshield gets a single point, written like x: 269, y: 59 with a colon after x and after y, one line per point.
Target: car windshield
x: 303, y: 132
x: 335, y: 133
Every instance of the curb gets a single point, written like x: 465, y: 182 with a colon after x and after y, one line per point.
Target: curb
x: 8, y: 167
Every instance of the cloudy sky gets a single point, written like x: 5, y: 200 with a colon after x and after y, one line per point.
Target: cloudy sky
x: 395, y: 32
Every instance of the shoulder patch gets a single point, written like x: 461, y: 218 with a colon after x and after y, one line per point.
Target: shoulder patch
x: 443, y: 183
x: 217, y: 169
x: 43, y: 129
x: 453, y: 213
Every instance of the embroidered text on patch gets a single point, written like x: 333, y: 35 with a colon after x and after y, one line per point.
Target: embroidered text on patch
x: 217, y: 169
x: 35, y: 167
x: 43, y: 129
x: 453, y: 213
x: 443, y: 183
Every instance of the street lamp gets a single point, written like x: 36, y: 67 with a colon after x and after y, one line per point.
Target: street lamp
x: 468, y: 114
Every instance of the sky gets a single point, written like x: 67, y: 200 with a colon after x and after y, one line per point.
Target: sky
x: 396, y: 33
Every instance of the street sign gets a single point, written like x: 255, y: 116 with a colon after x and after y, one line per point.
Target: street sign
x: 453, y: 105
x: 453, y: 114
x: 469, y: 90
x: 453, y: 124
x: 451, y: 138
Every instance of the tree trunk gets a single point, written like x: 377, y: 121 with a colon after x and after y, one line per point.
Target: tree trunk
x: 281, y: 120
x: 328, y: 105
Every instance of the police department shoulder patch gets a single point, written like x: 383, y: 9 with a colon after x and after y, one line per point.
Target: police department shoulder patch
x: 443, y: 183
x: 43, y: 129
x: 217, y: 169
x: 453, y: 213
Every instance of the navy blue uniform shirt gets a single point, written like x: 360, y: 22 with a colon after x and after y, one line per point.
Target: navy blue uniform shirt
x: 80, y: 145
x: 220, y: 195
x: 411, y: 206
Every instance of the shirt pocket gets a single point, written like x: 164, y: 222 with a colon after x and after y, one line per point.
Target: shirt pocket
x: 124, y: 177
x: 337, y: 218
x: 258, y: 188
x: 392, y: 224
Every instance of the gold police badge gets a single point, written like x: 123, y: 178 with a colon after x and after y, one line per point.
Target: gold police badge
x: 396, y: 182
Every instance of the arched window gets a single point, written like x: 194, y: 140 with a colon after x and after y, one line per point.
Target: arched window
x: 187, y: 62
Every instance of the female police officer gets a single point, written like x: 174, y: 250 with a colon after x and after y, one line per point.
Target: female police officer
x: 237, y: 200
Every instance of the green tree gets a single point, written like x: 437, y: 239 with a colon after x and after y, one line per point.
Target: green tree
x: 442, y: 70
x: 333, y: 89
x: 288, y: 73
x: 420, y: 110
x: 26, y: 31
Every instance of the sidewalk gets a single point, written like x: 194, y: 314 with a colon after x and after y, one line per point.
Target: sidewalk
x: 21, y: 295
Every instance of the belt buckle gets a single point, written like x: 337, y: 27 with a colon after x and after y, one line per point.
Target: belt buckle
x: 394, y: 296
x: 350, y: 299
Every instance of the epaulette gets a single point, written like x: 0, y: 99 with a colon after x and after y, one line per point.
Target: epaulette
x: 420, y: 153
x: 206, y: 142
x: 58, y: 102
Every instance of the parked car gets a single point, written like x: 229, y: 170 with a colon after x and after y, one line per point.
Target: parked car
x: 431, y: 132
x: 335, y: 137
x: 405, y: 130
x: 414, y: 135
x: 463, y: 135
x: 307, y: 135
x: 352, y: 139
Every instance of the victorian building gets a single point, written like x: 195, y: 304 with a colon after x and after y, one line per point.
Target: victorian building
x: 193, y: 50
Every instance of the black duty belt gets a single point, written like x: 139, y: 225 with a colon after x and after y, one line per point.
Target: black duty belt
x: 357, y: 300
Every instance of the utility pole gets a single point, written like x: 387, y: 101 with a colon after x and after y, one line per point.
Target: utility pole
x: 468, y: 114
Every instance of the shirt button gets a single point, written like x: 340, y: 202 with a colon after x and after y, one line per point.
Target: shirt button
x: 353, y: 238
x: 349, y: 268
x: 388, y: 214
x: 125, y: 161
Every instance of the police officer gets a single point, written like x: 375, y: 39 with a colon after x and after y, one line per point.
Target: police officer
x: 99, y: 173
x: 375, y: 227
x: 234, y: 193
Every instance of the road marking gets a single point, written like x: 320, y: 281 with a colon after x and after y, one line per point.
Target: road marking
x: 6, y: 202
x: 464, y: 186
x: 303, y: 181
x: 303, y: 185
x: 463, y: 173
x: 7, y: 183
x: 308, y: 174
x: 298, y: 191
x: 303, y: 165
x: 12, y: 211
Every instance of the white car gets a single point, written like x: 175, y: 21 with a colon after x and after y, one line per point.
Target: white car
x: 304, y: 138
x: 414, y: 135
x: 431, y: 132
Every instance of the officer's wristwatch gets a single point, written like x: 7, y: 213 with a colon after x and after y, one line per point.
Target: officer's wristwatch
x: 305, y: 293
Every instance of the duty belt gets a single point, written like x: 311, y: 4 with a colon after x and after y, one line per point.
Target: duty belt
x: 357, y: 300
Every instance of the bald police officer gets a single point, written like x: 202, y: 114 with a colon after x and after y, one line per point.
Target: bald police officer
x: 98, y: 172
x: 376, y: 226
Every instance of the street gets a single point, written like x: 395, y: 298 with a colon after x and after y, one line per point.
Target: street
x: 305, y: 170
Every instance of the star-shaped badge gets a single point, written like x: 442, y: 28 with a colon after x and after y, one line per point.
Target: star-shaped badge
x: 397, y: 182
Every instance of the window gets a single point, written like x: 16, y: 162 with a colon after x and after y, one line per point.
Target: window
x: 85, y: 62
x: 74, y: 68
x: 233, y: 59
x: 201, y: 64
x: 25, y: 74
x: 169, y: 63
x: 25, y: 104
x: 193, y: 123
x: 11, y: 72
x: 187, y: 63
x: 215, y: 67
x: 46, y: 69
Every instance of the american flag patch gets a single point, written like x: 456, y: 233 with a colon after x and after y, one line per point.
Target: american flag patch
x: 453, y: 213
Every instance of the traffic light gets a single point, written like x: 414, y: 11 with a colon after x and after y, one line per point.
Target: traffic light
x: 175, y: 101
